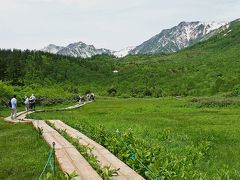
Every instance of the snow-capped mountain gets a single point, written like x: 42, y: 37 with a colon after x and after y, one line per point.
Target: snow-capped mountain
x: 181, y: 36
x: 51, y: 48
x: 123, y: 52
x: 78, y: 49
x: 83, y: 50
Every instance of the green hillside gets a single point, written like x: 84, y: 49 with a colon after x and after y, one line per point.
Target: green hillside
x: 207, y: 68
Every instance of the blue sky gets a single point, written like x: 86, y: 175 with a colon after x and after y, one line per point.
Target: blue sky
x: 112, y: 24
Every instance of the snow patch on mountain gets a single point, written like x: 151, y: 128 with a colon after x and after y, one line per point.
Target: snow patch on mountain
x: 123, y: 52
x: 213, y: 25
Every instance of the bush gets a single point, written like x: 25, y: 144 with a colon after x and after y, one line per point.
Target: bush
x: 6, y: 92
x: 216, y: 102
x: 46, y: 101
x: 236, y: 91
x: 112, y: 91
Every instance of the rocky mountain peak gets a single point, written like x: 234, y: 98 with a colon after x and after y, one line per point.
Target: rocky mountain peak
x: 170, y: 40
x: 181, y: 36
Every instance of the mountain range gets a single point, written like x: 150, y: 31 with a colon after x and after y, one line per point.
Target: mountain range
x: 170, y: 40
x: 181, y: 36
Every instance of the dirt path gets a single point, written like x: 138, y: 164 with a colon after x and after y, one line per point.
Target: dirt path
x: 68, y: 156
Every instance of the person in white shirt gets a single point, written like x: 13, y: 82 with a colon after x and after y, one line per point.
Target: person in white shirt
x: 26, y: 102
x: 14, y: 107
x: 33, y: 102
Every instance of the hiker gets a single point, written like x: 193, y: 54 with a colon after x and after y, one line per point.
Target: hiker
x: 14, y: 107
x: 81, y: 99
x: 92, y: 96
x: 88, y: 97
x: 26, y: 102
x: 32, y: 102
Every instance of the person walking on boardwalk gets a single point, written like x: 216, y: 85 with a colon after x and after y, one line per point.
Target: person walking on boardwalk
x: 92, y: 97
x: 81, y: 99
x: 30, y: 103
x: 26, y: 102
x: 33, y: 102
x: 14, y: 107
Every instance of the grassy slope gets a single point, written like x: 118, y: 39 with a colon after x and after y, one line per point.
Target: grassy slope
x: 207, y: 68
x: 149, y: 118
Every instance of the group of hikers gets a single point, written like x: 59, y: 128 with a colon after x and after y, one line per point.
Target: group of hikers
x: 88, y: 97
x: 30, y: 104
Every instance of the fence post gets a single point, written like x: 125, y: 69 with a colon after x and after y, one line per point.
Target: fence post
x: 54, y: 160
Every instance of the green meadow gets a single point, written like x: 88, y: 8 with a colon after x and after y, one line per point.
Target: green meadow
x: 23, y: 152
x: 140, y: 120
x: 197, y: 140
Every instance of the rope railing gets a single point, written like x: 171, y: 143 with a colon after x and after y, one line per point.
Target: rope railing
x: 133, y: 156
x: 50, y: 161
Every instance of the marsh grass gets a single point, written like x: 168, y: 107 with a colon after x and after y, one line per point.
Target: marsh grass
x: 169, y: 122
x: 23, y: 153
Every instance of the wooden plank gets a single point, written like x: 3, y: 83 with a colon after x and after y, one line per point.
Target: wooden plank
x: 105, y: 157
x: 67, y: 155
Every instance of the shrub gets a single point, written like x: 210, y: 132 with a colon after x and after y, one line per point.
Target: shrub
x: 112, y: 91
x: 6, y: 92
x: 215, y: 102
x: 236, y: 91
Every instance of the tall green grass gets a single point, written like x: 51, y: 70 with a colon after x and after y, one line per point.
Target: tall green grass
x: 23, y: 153
x: 182, y: 128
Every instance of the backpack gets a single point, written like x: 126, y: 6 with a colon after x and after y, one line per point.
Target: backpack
x: 9, y: 104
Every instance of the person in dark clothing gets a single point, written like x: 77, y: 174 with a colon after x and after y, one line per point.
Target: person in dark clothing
x: 32, y: 102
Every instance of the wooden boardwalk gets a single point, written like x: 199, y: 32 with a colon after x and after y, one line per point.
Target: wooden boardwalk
x: 68, y: 156
x: 105, y: 157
